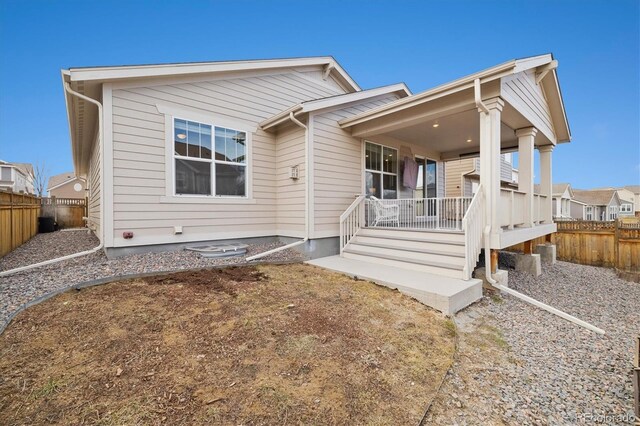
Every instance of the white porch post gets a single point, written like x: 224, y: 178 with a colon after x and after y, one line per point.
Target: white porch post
x: 490, y: 160
x: 526, y: 142
x: 546, y: 182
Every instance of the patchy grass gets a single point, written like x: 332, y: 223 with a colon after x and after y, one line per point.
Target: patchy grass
x: 268, y: 345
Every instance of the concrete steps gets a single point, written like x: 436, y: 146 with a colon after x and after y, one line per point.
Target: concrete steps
x: 447, y: 295
x: 436, y: 252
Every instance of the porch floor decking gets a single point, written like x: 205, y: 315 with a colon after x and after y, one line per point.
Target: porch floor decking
x: 447, y: 295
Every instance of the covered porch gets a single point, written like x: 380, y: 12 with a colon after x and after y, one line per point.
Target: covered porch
x: 514, y: 107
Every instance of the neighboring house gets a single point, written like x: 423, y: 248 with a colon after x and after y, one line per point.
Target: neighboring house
x: 66, y: 185
x: 635, y: 190
x: 295, y: 149
x: 628, y: 205
x: 627, y: 197
x: 600, y: 204
x: 462, y: 176
x: 565, y: 205
x: 17, y: 177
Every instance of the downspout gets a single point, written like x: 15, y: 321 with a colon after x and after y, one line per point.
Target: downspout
x: 487, y: 249
x: 68, y: 89
x: 306, y: 200
x: 487, y: 221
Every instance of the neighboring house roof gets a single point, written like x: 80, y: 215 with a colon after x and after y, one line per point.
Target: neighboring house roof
x: 557, y: 189
x: 595, y: 197
x: 633, y: 188
x: 25, y: 168
x: 59, y: 180
x: 547, y: 76
x: 332, y: 101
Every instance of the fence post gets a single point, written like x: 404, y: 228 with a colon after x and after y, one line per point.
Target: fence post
x: 616, y: 249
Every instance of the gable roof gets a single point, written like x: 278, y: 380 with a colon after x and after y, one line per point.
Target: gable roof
x: 557, y: 189
x: 547, y: 77
x: 59, y: 180
x: 633, y: 188
x: 595, y: 197
x: 88, y: 81
x: 25, y: 168
x: 332, y: 101
x: 119, y: 72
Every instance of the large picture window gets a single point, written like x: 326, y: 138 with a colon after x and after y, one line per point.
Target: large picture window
x: 197, y: 171
x: 381, y: 171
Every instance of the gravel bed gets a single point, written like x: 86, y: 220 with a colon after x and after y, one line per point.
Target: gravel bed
x: 49, y: 246
x: 567, y: 371
x: 20, y: 288
x: 544, y: 369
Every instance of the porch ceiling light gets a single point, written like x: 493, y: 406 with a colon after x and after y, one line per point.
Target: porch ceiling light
x: 436, y: 124
x: 468, y: 140
x: 181, y: 136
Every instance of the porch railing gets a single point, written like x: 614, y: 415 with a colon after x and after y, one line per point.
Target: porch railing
x: 417, y: 213
x: 351, y: 221
x: 512, y: 208
x: 473, y: 224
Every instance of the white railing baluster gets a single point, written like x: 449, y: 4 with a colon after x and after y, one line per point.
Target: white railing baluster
x: 472, y: 225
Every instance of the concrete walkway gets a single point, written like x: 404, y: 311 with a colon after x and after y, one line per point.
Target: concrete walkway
x: 447, y: 295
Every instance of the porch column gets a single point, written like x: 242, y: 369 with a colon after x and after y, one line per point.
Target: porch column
x: 490, y: 160
x: 526, y: 142
x: 546, y: 182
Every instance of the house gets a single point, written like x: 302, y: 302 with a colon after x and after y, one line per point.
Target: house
x: 635, y: 190
x: 17, y: 177
x: 565, y: 205
x: 66, y: 185
x: 462, y: 176
x: 294, y: 149
x: 600, y: 204
x: 628, y: 205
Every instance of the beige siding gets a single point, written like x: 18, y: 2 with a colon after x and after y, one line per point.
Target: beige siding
x: 94, y: 208
x: 506, y: 169
x: 521, y: 91
x: 337, y: 159
x: 139, y: 157
x: 290, y: 151
x: 67, y: 190
x: 453, y: 178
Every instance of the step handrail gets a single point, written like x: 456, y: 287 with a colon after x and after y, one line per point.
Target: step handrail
x: 351, y: 221
x: 472, y: 225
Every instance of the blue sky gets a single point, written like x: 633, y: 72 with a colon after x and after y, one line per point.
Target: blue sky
x: 378, y: 42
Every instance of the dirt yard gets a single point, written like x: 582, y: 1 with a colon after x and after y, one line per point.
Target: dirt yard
x: 283, y: 344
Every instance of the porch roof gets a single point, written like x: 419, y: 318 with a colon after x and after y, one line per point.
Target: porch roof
x: 333, y: 101
x: 451, y: 108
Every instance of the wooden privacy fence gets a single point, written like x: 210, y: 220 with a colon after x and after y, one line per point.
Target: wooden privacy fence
x: 18, y: 219
x: 610, y: 244
x: 67, y: 212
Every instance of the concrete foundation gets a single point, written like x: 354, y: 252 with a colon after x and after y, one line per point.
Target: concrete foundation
x: 501, y: 277
x: 317, y: 248
x: 529, y: 263
x: 547, y: 253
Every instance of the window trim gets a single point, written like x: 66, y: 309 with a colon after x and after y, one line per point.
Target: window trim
x: 171, y: 114
x: 626, y: 208
x: 381, y: 171
x: 212, y: 161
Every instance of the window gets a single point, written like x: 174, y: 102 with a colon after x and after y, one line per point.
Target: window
x: 381, y: 171
x: 198, y: 171
x: 626, y: 208
x: 589, y: 213
x: 613, y: 212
